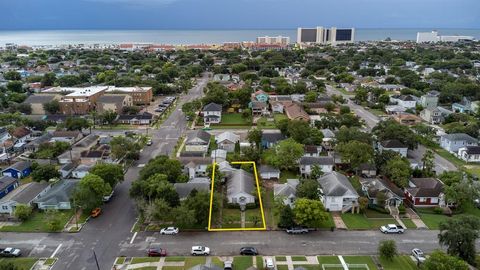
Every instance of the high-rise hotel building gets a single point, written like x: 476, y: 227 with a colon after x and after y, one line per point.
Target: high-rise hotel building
x: 273, y: 40
x: 321, y: 35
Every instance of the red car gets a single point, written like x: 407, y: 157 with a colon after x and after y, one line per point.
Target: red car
x: 157, y: 252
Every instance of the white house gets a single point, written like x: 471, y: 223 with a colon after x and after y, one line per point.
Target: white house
x: 393, y: 145
x: 240, y: 188
x: 268, y: 172
x: 212, y: 113
x: 337, y: 193
x: 453, y: 142
x: 287, y: 191
x: 196, y: 166
x: 81, y: 171
x: 324, y: 163
x: 227, y: 141
x: 198, y: 142
x: 406, y: 101
x: 469, y: 153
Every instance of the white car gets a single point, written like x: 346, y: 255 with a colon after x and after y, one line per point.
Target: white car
x: 200, y: 250
x: 392, y: 228
x: 169, y: 230
x: 269, y: 264
x: 419, y: 255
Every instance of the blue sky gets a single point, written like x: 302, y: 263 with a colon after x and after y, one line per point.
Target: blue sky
x: 237, y: 14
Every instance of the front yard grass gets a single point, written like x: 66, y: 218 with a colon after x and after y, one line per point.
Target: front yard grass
x: 144, y: 260
x: 327, y: 224
x: 398, y: 263
x: 37, y: 222
x: 280, y: 258
x: 147, y: 268
x: 175, y: 259
x: 409, y: 223
x: 282, y: 267
x: 250, y: 215
x: 231, y: 218
x: 192, y: 261
x: 216, y: 261
x: 20, y: 263
x: 259, y: 262
x: 172, y: 268
x: 361, y: 222
x: 328, y: 260
x: 265, y: 123
x: 242, y: 262
x: 360, y: 260
x: 120, y: 260
x: 299, y: 258
x: 431, y: 219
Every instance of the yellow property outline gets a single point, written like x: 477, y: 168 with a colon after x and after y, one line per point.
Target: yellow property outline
x: 259, y: 198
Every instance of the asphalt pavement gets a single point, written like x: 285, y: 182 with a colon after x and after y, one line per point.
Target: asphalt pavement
x: 371, y: 120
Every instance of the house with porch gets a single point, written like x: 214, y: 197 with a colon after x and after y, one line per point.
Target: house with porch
x: 198, y: 142
x: 372, y: 187
x: 424, y: 192
x: 227, y: 141
x: 306, y: 164
x: 212, y: 113
x: 469, y: 153
x: 337, y: 193
x: 454, y: 141
x: 240, y: 188
x: 287, y: 191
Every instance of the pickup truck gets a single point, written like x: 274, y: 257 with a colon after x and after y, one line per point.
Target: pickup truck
x: 392, y: 228
x: 296, y: 230
x: 10, y: 252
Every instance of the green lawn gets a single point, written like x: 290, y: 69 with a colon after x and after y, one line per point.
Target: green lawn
x: 37, y: 222
x: 280, y: 258
x: 192, y: 261
x: 259, y: 262
x: 250, y: 214
x: 264, y: 123
x: 172, y: 267
x: 399, y: 263
x: 299, y: 258
x: 284, y: 175
x: 360, y: 222
x: 282, y: 267
x: 120, y: 260
x: 231, y: 218
x: 175, y: 259
x: 328, y: 260
x: 360, y: 260
x: 279, y: 116
x: 144, y: 260
x: 327, y: 224
x: 234, y: 119
x: 450, y: 157
x: 432, y: 220
x: 311, y: 267
x: 216, y: 261
x: 50, y: 261
x: 21, y: 263
x: 242, y: 262
x: 409, y: 223
x: 371, y: 213
x: 147, y: 268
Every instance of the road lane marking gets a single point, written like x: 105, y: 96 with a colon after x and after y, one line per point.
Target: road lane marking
x: 56, y: 250
x: 133, y: 237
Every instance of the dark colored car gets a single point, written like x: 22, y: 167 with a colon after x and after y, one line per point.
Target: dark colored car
x: 248, y: 251
x: 156, y: 252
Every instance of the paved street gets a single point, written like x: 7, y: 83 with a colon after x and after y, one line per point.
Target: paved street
x: 112, y: 229
x: 371, y: 120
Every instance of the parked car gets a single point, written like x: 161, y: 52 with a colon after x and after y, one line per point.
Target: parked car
x: 419, y: 255
x: 200, y: 250
x: 269, y: 265
x: 228, y: 265
x: 297, y: 230
x: 108, y: 197
x: 159, y: 110
x: 149, y: 142
x: 156, y: 252
x: 392, y: 228
x: 10, y: 252
x: 96, y: 212
x: 169, y: 230
x: 248, y: 251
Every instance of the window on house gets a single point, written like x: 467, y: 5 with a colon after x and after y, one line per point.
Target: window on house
x: 422, y: 199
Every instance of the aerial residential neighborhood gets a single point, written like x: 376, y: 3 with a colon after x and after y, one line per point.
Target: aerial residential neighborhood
x: 308, y: 148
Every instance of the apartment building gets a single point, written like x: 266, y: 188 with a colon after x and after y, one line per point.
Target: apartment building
x: 321, y: 35
x: 273, y: 40
x: 140, y: 95
x: 78, y: 100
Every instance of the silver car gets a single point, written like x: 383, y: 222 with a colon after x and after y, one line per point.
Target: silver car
x: 419, y: 255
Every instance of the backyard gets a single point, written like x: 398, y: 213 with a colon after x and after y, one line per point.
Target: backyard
x: 233, y: 120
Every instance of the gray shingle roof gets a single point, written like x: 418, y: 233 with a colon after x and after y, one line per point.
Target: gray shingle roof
x: 111, y: 99
x: 268, y: 169
x: 336, y: 184
x: 20, y: 166
x: 316, y: 161
x: 212, y: 107
x: 240, y: 181
x: 287, y: 189
x: 60, y: 192
x: 393, y: 144
x: 27, y: 193
x: 42, y: 98
x: 6, y: 181
x: 460, y: 137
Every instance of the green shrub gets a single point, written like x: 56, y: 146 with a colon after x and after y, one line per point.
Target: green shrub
x: 438, y: 210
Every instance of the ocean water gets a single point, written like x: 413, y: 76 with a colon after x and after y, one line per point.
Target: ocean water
x: 178, y: 37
